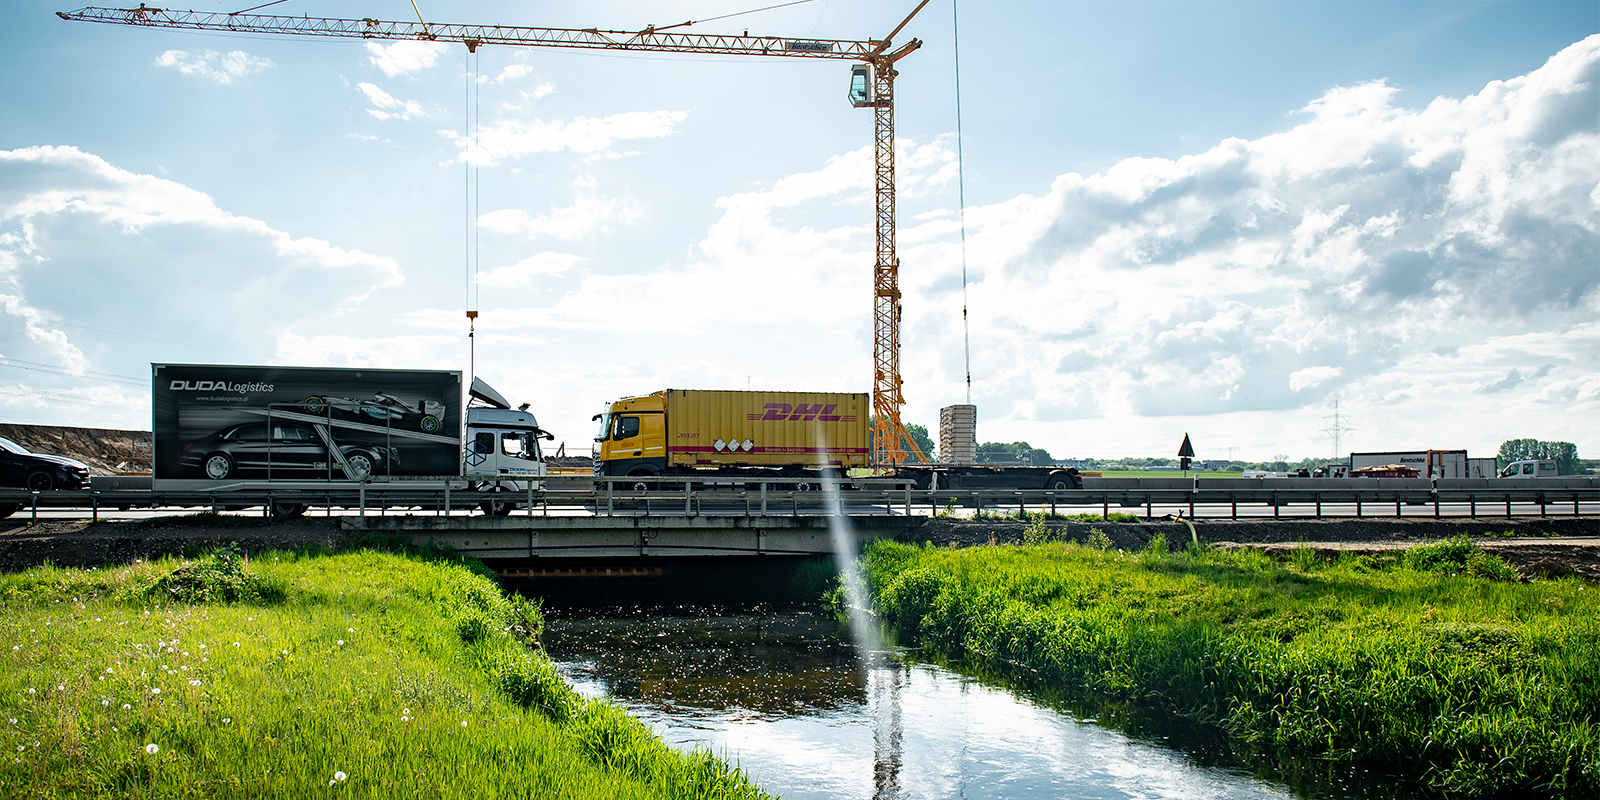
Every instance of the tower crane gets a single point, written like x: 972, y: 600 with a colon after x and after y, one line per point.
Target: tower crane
x: 871, y: 86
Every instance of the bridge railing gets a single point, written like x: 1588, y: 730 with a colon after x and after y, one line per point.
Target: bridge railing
x: 803, y: 495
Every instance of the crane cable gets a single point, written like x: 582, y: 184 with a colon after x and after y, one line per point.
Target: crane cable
x: 961, y: 184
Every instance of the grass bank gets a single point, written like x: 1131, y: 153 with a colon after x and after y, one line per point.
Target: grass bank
x: 1438, y: 663
x: 367, y: 674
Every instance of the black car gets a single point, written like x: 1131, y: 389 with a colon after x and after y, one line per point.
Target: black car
x: 292, y: 450
x: 39, y: 472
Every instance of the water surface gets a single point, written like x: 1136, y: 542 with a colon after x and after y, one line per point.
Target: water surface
x: 786, y: 697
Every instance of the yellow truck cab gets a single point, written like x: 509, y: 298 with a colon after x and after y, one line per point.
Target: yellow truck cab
x: 633, y: 437
x: 692, y: 431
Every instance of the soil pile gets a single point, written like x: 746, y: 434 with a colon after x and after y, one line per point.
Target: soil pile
x: 106, y: 452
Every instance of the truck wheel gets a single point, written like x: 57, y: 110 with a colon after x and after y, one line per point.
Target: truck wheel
x: 496, y: 508
x: 1060, y: 481
x: 7, y: 509
x: 430, y: 424
x: 218, y: 465
x: 40, y: 481
x: 314, y: 405
x: 806, y: 481
x: 283, y: 509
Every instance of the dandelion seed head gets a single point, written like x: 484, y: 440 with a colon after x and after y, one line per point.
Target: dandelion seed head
x: 125, y: 706
x: 403, y: 711
x: 151, y: 748
x: 463, y: 723
x: 155, y: 690
x: 227, y: 720
x: 235, y: 644
x: 339, y: 776
x: 30, y: 690
x: 105, y: 702
x: 341, y: 641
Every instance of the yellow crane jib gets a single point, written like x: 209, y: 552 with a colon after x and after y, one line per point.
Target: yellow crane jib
x: 871, y: 86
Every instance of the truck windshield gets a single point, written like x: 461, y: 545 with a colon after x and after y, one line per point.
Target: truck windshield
x: 605, y: 427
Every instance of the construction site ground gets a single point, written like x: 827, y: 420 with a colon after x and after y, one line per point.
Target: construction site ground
x: 1536, y: 546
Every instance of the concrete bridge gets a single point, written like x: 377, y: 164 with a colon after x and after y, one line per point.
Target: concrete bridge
x: 541, y: 537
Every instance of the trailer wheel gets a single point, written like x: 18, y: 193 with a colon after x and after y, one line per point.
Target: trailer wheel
x: 7, y: 509
x: 218, y: 465
x: 430, y: 424
x: 40, y: 481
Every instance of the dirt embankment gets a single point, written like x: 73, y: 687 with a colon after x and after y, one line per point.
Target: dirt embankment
x: 92, y: 544
x: 105, y: 451
x: 1536, y: 546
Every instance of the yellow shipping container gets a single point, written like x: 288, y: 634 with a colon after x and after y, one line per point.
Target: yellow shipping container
x: 687, y: 429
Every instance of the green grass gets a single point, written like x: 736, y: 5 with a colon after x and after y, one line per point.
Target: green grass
x: 367, y: 674
x: 1432, y: 663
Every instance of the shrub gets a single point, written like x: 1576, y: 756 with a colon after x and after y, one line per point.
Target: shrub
x: 219, y: 577
x: 1458, y: 556
x: 1098, y: 540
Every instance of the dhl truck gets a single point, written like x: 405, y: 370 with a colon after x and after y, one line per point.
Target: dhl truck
x: 794, y: 435
x: 714, y: 432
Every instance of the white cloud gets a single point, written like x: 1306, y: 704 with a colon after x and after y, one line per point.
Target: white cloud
x: 592, y: 136
x: 1312, y: 376
x: 589, y: 212
x: 223, y: 68
x: 1376, y: 252
x: 84, y: 243
x: 402, y: 57
x: 388, y: 106
x: 524, y: 272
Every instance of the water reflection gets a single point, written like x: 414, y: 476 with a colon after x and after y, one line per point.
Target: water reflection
x: 786, y: 697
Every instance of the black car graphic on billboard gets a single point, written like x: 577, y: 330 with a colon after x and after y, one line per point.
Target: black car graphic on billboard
x: 287, y: 448
x: 424, y: 415
x: 37, y: 471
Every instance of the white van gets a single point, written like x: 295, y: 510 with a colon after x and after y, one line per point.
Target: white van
x: 1541, y: 468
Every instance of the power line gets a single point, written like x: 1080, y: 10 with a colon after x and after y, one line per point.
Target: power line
x: 59, y: 369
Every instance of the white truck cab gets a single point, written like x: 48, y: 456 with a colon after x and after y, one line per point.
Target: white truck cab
x: 1538, y: 468
x: 501, y: 441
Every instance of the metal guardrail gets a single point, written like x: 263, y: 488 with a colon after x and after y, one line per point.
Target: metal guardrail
x: 797, y: 496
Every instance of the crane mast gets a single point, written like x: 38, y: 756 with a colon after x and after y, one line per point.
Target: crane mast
x: 891, y: 444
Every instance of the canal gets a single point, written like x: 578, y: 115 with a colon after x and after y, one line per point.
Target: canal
x: 785, y: 695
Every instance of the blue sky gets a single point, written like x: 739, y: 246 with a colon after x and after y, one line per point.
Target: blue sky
x: 1181, y: 218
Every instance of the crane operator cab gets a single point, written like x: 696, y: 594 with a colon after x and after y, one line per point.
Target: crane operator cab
x: 861, y: 85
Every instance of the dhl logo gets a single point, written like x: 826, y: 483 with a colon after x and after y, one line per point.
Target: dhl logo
x: 803, y: 412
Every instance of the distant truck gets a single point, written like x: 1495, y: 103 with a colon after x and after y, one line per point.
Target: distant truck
x: 1534, y: 468
x: 795, y: 435
x: 227, y: 427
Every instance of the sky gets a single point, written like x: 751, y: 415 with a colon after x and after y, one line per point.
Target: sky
x: 1215, y: 219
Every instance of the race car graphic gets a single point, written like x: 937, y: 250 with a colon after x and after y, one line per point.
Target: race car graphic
x: 382, y: 406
